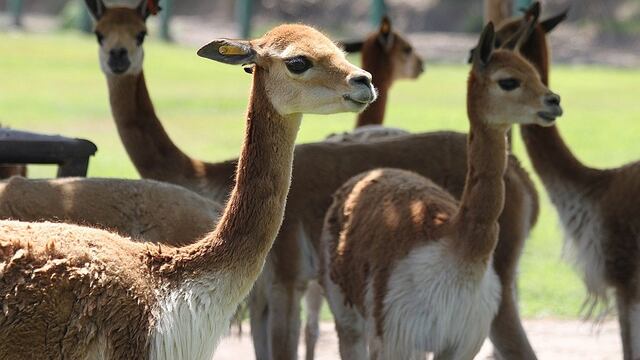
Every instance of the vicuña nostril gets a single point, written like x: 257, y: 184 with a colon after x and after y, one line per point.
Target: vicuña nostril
x: 118, y: 52
x: 360, y: 80
x: 552, y: 100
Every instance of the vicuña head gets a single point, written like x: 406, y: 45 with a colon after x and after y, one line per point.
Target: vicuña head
x: 302, y: 70
x: 504, y: 88
x: 534, y: 47
x: 390, y: 48
x: 98, y: 295
x: 120, y: 32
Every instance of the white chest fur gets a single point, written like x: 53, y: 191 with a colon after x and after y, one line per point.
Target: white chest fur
x: 191, y: 320
x: 581, y: 222
x: 434, y: 303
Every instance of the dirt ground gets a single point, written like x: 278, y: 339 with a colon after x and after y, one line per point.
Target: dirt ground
x: 552, y: 340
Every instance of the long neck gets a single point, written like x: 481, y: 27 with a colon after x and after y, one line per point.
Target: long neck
x: 153, y: 153
x: 482, y: 199
x: 551, y: 157
x: 377, y: 62
x: 254, y: 212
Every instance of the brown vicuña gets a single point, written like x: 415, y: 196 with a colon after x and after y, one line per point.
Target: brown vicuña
x: 388, y: 56
x: 141, y: 209
x: 598, y: 208
x: 75, y: 292
x: 406, y: 268
x: 319, y: 170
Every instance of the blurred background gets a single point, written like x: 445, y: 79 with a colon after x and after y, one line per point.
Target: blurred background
x: 50, y: 82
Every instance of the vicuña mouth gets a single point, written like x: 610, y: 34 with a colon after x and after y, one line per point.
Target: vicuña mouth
x: 547, y: 116
x: 356, y: 101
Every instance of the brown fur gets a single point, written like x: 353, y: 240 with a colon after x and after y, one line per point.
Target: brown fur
x: 388, y: 56
x: 320, y: 169
x: 73, y: 286
x: 606, y: 191
x: 141, y: 209
x: 9, y: 170
x: 410, y: 209
x: 378, y: 217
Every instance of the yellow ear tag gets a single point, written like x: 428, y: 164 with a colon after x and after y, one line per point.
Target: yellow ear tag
x: 231, y: 50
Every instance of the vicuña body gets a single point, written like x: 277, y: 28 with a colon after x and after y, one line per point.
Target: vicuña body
x: 407, y: 269
x: 141, y: 209
x: 78, y: 293
x: 319, y: 170
x: 598, y: 208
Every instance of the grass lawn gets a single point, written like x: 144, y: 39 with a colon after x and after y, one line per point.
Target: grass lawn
x: 53, y: 84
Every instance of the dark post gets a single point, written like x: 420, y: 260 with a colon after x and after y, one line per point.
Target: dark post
x: 519, y: 5
x: 85, y: 22
x: 244, y: 8
x: 378, y: 10
x: 15, y: 8
x: 165, y: 19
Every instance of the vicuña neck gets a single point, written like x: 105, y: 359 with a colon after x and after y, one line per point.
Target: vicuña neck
x: 376, y: 62
x: 153, y: 153
x: 254, y: 212
x: 482, y: 201
x: 551, y: 157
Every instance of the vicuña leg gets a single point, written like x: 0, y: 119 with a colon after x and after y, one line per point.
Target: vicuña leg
x: 313, y: 299
x: 350, y: 326
x: 259, y: 318
x: 284, y: 320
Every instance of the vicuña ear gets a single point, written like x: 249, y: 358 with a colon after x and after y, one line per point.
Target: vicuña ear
x: 234, y: 52
x: 351, y: 46
x: 532, y: 11
x: 484, y: 49
x: 385, y: 35
x: 521, y: 36
x: 96, y: 8
x: 550, y: 23
x: 148, y: 7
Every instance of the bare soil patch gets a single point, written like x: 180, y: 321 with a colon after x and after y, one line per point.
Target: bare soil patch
x: 552, y: 339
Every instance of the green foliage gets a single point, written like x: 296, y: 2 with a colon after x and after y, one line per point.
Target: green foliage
x: 53, y: 84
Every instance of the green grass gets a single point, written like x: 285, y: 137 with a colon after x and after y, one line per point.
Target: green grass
x: 52, y: 84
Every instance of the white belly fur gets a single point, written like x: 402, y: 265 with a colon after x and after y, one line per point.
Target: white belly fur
x: 191, y: 320
x: 583, y: 245
x: 434, y: 303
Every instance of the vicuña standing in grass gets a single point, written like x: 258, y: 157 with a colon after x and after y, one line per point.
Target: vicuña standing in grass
x: 75, y: 292
x: 388, y: 56
x: 407, y: 262
x: 598, y: 208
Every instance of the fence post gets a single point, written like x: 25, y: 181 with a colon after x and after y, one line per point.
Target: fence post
x: 378, y: 10
x: 85, y: 22
x: 519, y: 5
x: 15, y: 8
x: 244, y: 8
x: 165, y: 19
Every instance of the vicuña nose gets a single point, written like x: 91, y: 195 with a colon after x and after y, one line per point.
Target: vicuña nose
x: 552, y: 100
x: 118, y: 52
x: 361, y: 79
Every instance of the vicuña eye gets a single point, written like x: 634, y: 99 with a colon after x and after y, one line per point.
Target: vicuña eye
x: 407, y: 50
x: 509, y: 84
x: 298, y: 64
x: 99, y: 37
x: 140, y: 37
